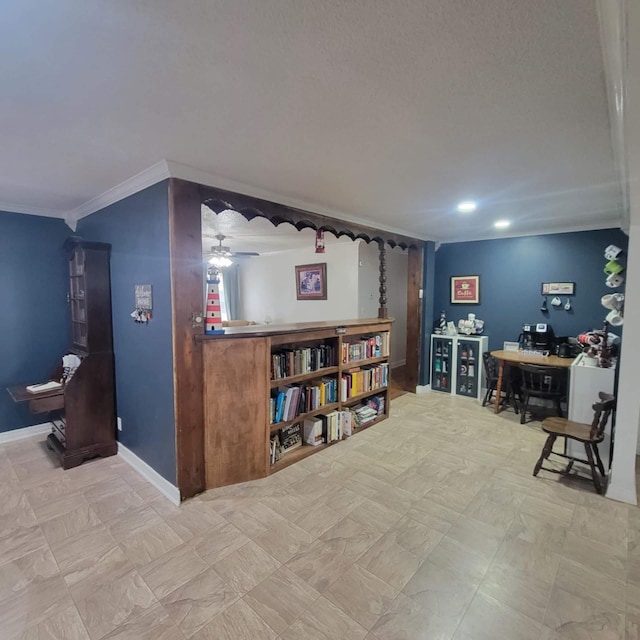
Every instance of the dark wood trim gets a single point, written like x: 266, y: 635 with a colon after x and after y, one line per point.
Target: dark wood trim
x: 383, y: 312
x: 414, y: 317
x: 249, y: 207
x: 187, y: 277
x: 185, y: 200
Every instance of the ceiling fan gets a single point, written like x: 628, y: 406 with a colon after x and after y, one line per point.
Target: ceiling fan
x: 220, y: 256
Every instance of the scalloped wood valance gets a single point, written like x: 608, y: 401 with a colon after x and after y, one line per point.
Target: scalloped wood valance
x: 219, y: 200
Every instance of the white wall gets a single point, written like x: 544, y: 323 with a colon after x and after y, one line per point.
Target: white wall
x: 368, y: 294
x: 268, y: 286
x: 622, y: 485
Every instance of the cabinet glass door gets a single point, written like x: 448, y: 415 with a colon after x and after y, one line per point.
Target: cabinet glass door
x: 467, y: 368
x: 441, y: 365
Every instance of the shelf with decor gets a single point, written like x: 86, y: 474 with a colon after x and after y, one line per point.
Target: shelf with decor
x: 265, y: 364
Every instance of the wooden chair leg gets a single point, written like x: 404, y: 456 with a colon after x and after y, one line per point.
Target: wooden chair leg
x: 594, y: 472
x: 546, y: 452
x: 598, y: 460
x: 487, y: 396
x: 524, y: 409
x: 514, y: 401
x: 559, y: 408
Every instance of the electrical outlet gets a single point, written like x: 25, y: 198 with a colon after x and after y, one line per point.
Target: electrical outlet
x: 119, y: 423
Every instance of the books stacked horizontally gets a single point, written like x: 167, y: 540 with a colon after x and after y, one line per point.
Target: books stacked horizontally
x: 295, y: 362
x: 375, y: 346
x: 288, y: 402
x: 364, y: 415
x: 363, y: 379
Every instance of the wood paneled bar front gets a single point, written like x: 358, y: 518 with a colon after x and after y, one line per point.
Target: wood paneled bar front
x: 239, y: 382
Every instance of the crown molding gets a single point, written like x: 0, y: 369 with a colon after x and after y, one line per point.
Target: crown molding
x: 11, y: 207
x: 150, y: 176
x: 170, y: 169
x: 546, y: 231
x: 192, y: 174
x: 612, y: 17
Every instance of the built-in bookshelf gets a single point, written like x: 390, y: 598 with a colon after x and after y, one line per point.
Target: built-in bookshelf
x: 289, y: 392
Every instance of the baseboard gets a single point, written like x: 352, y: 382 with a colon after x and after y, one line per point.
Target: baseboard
x: 25, y: 432
x: 423, y: 388
x: 621, y: 494
x: 168, y: 490
x: 396, y: 364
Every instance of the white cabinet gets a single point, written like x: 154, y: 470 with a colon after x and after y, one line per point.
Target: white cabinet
x: 585, y: 383
x: 456, y: 364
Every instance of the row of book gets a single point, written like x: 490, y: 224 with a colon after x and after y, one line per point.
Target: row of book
x: 375, y: 346
x: 288, y: 402
x: 295, y: 362
x: 334, y: 426
x: 364, y: 379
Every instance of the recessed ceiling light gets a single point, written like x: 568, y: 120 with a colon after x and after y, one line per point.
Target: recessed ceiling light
x: 501, y: 224
x: 467, y: 206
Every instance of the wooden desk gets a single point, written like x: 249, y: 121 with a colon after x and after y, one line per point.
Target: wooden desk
x: 38, y: 402
x: 518, y: 357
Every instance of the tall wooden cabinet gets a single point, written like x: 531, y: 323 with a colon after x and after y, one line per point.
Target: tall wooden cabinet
x: 245, y: 368
x: 86, y: 427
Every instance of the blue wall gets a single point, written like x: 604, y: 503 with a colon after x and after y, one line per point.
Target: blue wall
x: 34, y: 321
x: 511, y: 271
x: 138, y: 230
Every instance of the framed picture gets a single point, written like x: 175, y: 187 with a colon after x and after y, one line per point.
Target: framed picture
x: 558, y: 288
x: 465, y: 289
x: 311, y: 281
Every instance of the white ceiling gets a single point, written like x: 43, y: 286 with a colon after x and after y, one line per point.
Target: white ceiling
x: 390, y: 112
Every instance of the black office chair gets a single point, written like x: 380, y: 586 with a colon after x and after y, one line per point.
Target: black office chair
x: 510, y: 382
x: 547, y: 383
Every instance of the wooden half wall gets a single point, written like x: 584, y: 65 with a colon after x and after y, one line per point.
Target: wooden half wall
x: 187, y: 276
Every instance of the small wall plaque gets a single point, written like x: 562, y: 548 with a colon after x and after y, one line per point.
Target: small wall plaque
x: 144, y: 297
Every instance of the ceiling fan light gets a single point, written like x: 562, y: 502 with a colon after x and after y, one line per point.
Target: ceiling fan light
x: 220, y: 261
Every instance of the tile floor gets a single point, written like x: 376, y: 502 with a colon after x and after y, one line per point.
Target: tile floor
x: 426, y: 526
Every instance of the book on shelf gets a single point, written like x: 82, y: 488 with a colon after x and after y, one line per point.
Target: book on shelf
x: 364, y: 415
x: 374, y: 346
x: 279, y: 406
x: 288, y: 402
x: 299, y: 361
x: 362, y: 379
x: 330, y: 429
x: 377, y: 403
x: 275, y: 449
x: 291, y: 437
x: 312, y: 431
x: 347, y: 423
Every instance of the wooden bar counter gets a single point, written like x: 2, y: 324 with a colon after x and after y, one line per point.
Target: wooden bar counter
x: 239, y: 382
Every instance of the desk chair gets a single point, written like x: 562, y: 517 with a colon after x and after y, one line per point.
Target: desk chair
x: 547, y: 383
x: 590, y: 435
x: 510, y: 383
